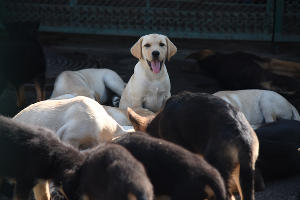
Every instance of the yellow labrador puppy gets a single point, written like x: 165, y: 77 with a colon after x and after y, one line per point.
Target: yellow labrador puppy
x: 79, y: 121
x: 149, y: 86
x: 92, y: 83
x: 260, y: 106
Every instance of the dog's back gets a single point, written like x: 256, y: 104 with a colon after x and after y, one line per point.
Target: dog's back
x: 173, y: 170
x: 25, y: 151
x: 208, y: 125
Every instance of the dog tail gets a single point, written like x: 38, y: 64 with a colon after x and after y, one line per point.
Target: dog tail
x: 295, y: 113
x: 114, y: 82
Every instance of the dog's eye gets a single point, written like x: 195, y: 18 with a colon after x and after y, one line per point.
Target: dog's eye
x: 161, y: 44
x: 147, y: 45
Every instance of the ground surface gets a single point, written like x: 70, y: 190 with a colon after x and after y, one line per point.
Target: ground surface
x: 71, y: 52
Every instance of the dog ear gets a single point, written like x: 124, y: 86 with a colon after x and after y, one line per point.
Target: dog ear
x: 201, y: 55
x: 171, y: 49
x: 139, y: 122
x: 136, y: 49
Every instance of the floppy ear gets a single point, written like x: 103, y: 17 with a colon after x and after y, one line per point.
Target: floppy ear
x: 201, y: 55
x: 139, y: 122
x: 171, y: 49
x: 136, y: 49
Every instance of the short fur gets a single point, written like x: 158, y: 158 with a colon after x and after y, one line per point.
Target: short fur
x: 279, y: 143
x: 30, y: 154
x: 149, y: 86
x: 79, y: 121
x: 207, y: 125
x: 260, y: 106
x: 22, y: 60
x: 92, y: 83
x: 174, y: 171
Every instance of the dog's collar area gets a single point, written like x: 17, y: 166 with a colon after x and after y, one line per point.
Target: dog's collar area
x: 151, y: 69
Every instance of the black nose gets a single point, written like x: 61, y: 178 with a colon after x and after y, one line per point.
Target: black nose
x: 155, y: 53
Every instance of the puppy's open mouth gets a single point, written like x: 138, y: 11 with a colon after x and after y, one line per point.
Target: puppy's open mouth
x: 155, y: 65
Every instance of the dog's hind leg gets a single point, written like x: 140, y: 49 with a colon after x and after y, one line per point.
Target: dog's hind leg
x: 41, y: 191
x: 20, y: 96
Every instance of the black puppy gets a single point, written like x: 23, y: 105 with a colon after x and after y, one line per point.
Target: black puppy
x: 31, y: 155
x: 173, y: 170
x: 22, y: 59
x: 279, y: 143
x: 207, y: 125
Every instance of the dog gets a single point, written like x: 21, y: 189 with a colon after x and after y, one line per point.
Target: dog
x: 209, y: 126
x: 240, y: 70
x: 92, y: 83
x: 149, y: 86
x: 31, y: 155
x: 260, y: 106
x: 118, y: 114
x: 22, y: 60
x: 279, y: 143
x: 174, y: 171
x: 79, y: 121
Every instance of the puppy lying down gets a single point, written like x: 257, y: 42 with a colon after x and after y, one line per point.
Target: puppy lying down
x: 79, y: 121
x: 31, y: 155
x: 260, y: 106
x: 93, y: 83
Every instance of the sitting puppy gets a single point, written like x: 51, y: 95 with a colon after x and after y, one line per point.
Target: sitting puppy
x: 173, y: 170
x: 207, y: 125
x: 79, y: 121
x: 31, y: 155
x: 149, y: 86
x: 279, y: 143
x: 260, y: 106
x: 92, y: 83
x: 22, y: 60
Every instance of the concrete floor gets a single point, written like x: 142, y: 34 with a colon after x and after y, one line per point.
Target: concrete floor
x: 70, y: 52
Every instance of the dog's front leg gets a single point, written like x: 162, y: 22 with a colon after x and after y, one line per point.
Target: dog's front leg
x: 41, y: 191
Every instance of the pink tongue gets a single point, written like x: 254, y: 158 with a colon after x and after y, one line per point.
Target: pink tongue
x: 155, y: 65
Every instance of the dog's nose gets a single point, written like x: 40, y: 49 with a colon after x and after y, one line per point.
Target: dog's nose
x: 155, y: 53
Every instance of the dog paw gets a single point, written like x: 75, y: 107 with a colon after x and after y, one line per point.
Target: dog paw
x: 56, y: 195
x: 115, y: 101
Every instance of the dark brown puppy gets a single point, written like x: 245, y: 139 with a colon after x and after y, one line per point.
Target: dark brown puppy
x: 30, y: 154
x: 240, y: 70
x: 22, y: 59
x: 174, y: 171
x: 207, y: 125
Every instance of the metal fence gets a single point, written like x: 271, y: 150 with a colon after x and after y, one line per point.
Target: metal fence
x: 268, y: 20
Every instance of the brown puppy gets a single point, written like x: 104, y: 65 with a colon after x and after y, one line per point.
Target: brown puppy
x: 207, y: 125
x: 174, y: 171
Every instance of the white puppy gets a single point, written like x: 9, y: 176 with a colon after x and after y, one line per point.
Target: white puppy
x: 79, y: 121
x: 149, y: 86
x: 91, y: 83
x: 260, y: 106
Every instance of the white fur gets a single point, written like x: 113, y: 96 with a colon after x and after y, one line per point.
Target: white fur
x: 79, y: 121
x: 260, y: 106
x: 145, y: 88
x: 92, y: 83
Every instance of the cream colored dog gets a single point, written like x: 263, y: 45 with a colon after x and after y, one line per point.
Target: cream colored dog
x: 260, y: 106
x: 149, y: 86
x: 91, y: 83
x: 79, y: 121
